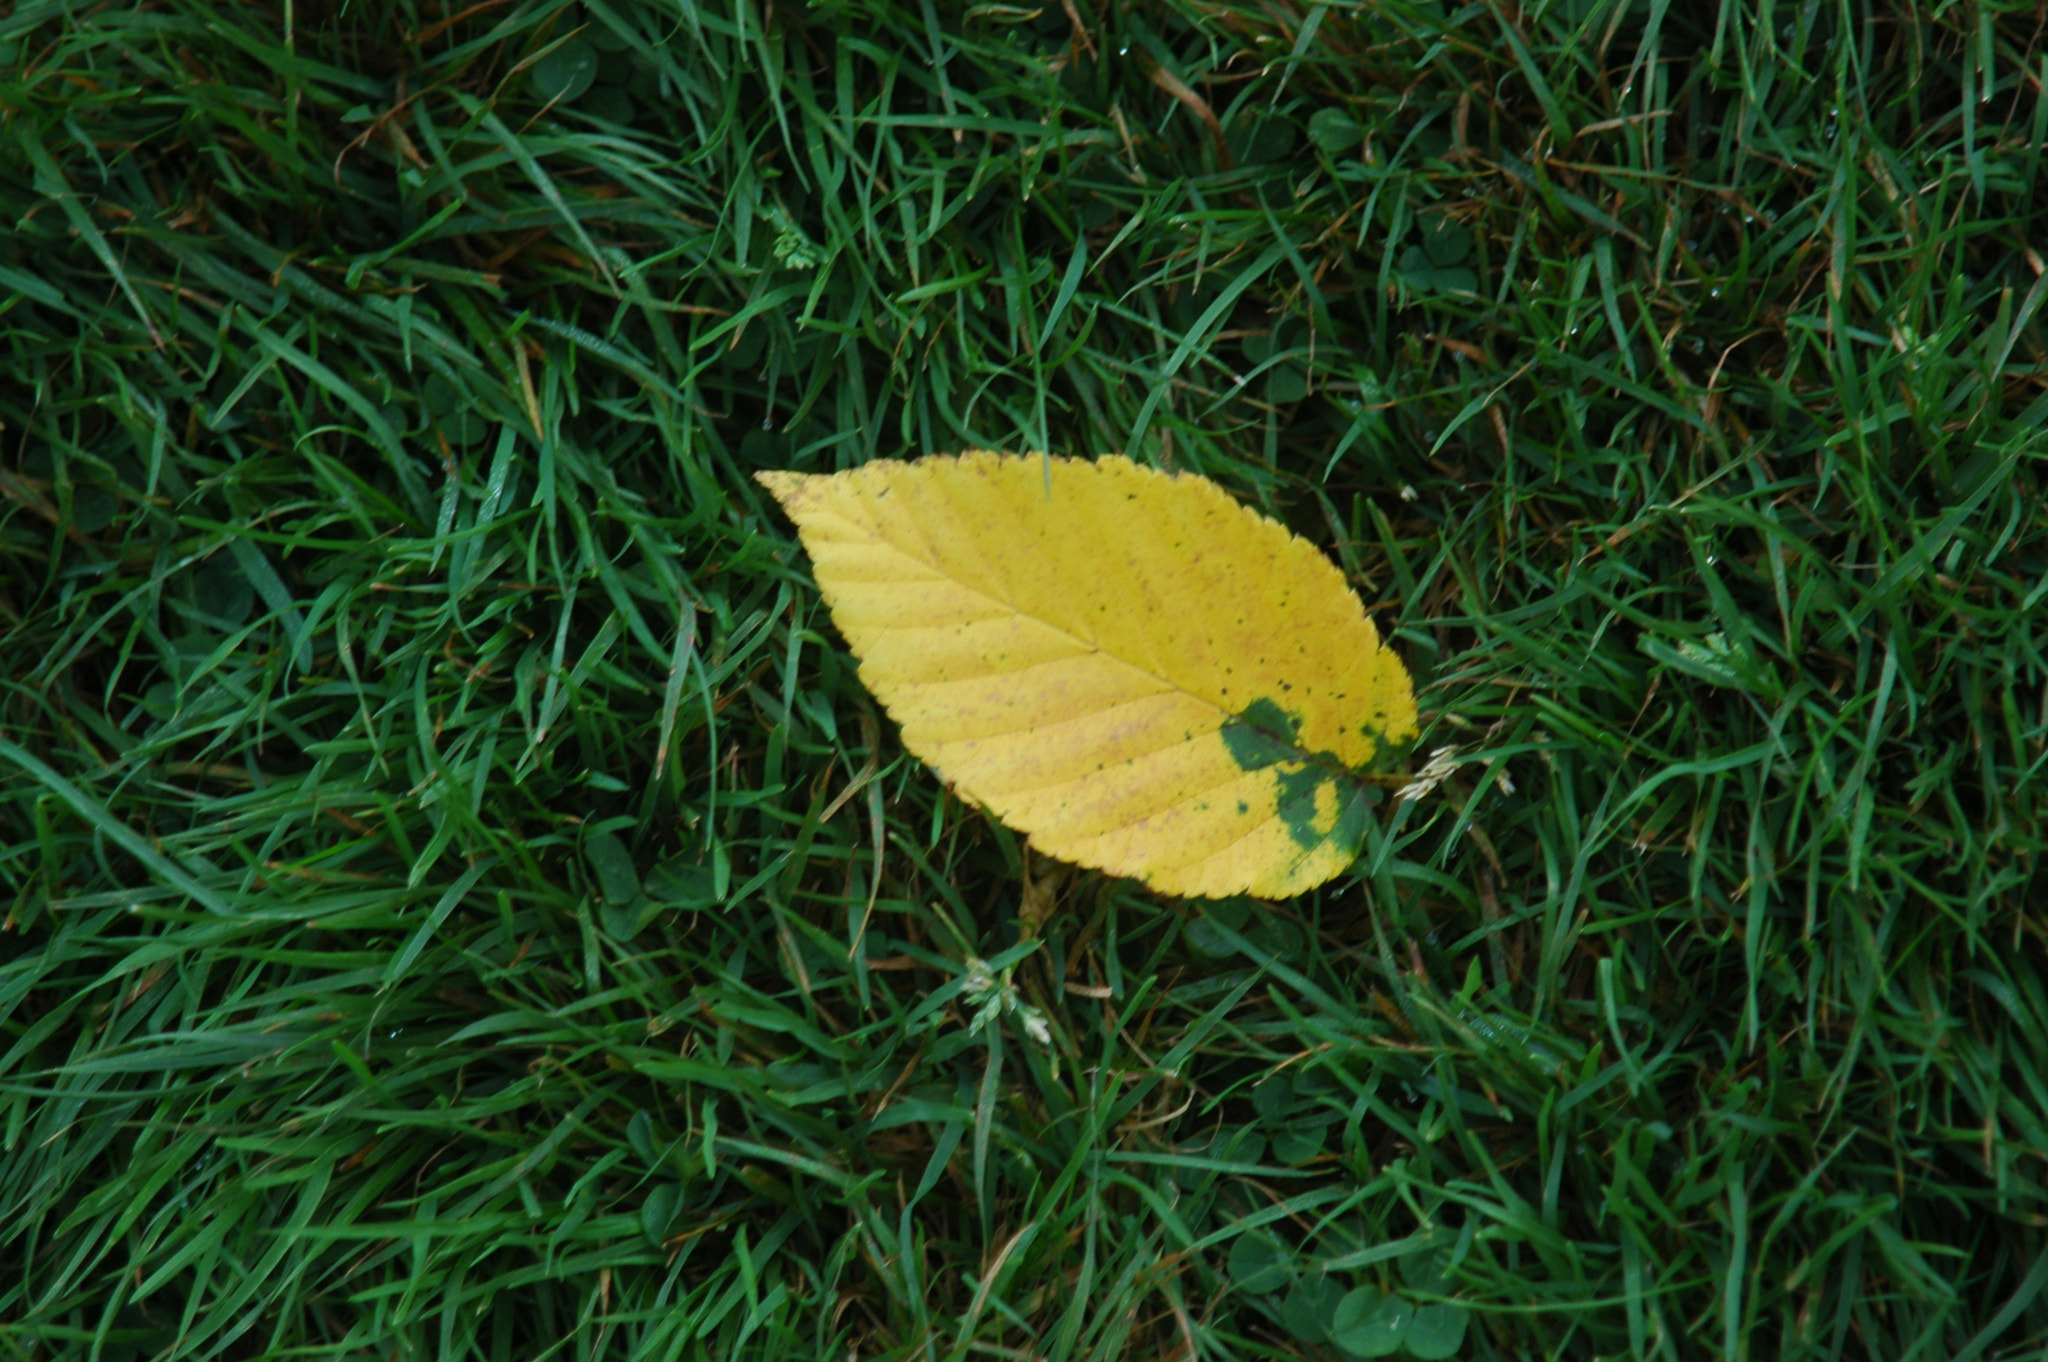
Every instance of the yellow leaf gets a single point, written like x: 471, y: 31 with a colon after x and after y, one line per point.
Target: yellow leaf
x: 1143, y: 675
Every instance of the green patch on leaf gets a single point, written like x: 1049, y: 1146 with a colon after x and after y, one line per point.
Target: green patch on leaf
x: 1267, y: 737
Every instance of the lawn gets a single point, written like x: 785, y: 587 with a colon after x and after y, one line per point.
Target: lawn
x: 460, y: 901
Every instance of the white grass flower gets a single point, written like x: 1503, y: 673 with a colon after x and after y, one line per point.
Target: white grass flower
x: 986, y: 992
x: 1441, y: 763
x: 993, y: 997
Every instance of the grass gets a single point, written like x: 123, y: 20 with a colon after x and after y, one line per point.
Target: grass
x: 460, y: 901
